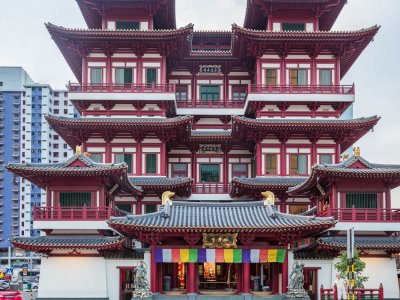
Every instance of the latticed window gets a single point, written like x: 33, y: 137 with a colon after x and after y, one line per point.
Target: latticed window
x: 239, y: 170
x: 270, y: 164
x: 151, y: 75
x: 361, y: 200
x: 96, y: 157
x: 325, y: 77
x: 151, y: 163
x: 96, y: 75
x: 298, y: 76
x: 179, y: 170
x: 271, y: 76
x: 298, y: 164
x: 123, y: 75
x: 209, y: 173
x: 75, y: 199
x: 325, y: 159
x: 126, y: 158
x: 126, y: 25
x: 209, y: 92
x: 239, y: 92
x: 181, y: 92
x: 293, y: 27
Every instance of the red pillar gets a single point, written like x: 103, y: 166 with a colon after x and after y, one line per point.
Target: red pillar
x: 163, y: 163
x: 275, y: 278
x: 313, y: 153
x: 191, y: 286
x: 239, y: 279
x: 138, y: 156
x: 258, y: 158
x: 84, y: 69
x: 283, y: 159
x: 285, y: 273
x: 246, y: 278
x: 259, y: 70
x: 164, y: 70
x: 338, y: 152
x: 138, y: 210
x: 337, y: 71
x: 139, y: 70
x: 153, y: 271
x: 108, y: 158
x: 108, y: 70
x: 193, y: 168
x: 226, y: 170
x: 194, y: 89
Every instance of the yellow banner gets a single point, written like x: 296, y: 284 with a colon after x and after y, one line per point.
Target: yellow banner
x: 228, y: 255
x: 184, y: 255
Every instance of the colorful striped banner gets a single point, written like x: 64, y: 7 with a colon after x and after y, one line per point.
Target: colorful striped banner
x: 166, y: 255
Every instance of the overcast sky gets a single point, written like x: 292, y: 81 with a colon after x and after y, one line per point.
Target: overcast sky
x: 24, y: 41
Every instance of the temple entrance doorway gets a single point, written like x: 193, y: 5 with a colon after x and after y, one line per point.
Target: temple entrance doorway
x: 214, y: 277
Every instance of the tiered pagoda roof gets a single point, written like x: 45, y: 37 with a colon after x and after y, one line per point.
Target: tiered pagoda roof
x: 75, y: 42
x: 46, y: 244
x: 348, y: 45
x: 76, y: 130
x: 345, y: 132
x: 182, y: 216
x: 182, y: 186
x: 326, y: 10
x: 355, y: 167
x: 164, y: 11
x: 254, y: 186
x: 78, y: 165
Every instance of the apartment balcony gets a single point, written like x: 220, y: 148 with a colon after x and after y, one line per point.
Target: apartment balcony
x: 211, y: 188
x: 75, y: 213
x: 113, y: 91
x: 301, y: 93
x: 15, y: 216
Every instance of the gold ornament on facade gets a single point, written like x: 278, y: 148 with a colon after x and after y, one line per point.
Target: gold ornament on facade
x: 166, y: 197
x: 345, y: 157
x: 356, y: 151
x: 269, y: 197
x: 78, y: 149
x: 220, y: 240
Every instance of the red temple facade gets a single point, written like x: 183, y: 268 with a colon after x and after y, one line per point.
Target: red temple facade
x: 181, y: 134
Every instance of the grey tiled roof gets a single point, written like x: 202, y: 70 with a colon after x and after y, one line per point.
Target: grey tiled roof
x: 227, y: 216
x: 353, y: 159
x: 133, y: 254
x: 270, y: 181
x: 63, y: 242
x: 158, y: 181
x: 362, y: 242
x: 200, y: 133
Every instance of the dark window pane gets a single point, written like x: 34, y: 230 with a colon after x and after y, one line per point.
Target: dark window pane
x: 361, y: 200
x: 270, y: 160
x: 125, y: 207
x: 325, y: 159
x: 293, y: 26
x: 209, y: 173
x: 151, y: 75
x: 151, y: 163
x: 126, y: 25
x: 96, y: 157
x: 126, y: 158
x: 271, y: 76
x: 179, y: 170
x: 151, y: 208
x: 325, y: 77
x: 75, y: 199
x: 209, y: 92
x: 96, y: 75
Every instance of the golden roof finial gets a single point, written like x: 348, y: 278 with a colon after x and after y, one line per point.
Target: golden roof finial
x: 345, y: 156
x: 78, y: 149
x: 166, y: 197
x: 269, y: 197
x: 87, y: 154
x: 356, y: 152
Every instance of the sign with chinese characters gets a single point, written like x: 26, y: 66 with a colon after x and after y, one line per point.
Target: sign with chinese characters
x: 210, y: 148
x: 220, y: 240
x: 210, y: 70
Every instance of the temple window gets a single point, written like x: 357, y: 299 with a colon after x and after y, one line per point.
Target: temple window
x: 179, y: 170
x: 96, y: 75
x: 126, y: 158
x: 239, y: 92
x: 298, y: 164
x: 325, y: 159
x: 293, y: 26
x: 151, y: 163
x: 325, y: 76
x: 270, y: 164
x: 361, y: 200
x: 75, y: 199
x: 127, y: 25
x: 96, y: 157
x: 181, y: 92
x: 298, y: 76
x: 209, y: 92
x: 209, y: 173
x: 271, y: 76
x: 239, y: 170
x: 150, y: 208
x: 151, y: 75
x: 124, y: 207
x: 123, y: 75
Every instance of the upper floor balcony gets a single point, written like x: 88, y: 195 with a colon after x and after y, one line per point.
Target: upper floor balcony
x: 211, y: 188
x: 126, y: 91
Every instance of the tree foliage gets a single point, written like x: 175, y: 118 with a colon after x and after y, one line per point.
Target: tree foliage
x: 359, y: 266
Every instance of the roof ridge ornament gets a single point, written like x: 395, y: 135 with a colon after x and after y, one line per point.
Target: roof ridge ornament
x: 356, y: 152
x: 78, y: 149
x: 166, y: 198
x: 269, y: 198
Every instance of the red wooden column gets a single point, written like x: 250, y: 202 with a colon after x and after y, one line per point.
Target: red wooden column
x: 108, y: 69
x: 163, y: 163
x: 191, y: 286
x: 193, y: 168
x: 337, y: 70
x: 139, y: 156
x: 108, y: 156
x: 139, y: 69
x: 285, y: 273
x: 153, y: 270
x: 84, y: 69
x: 164, y: 70
x: 275, y: 278
x: 259, y: 69
x: 283, y: 158
x: 226, y: 170
x: 138, y: 210
x: 258, y: 158
x: 246, y: 278
x: 194, y: 89
x: 313, y: 152
x: 239, y: 279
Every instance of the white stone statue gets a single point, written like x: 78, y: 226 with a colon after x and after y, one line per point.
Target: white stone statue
x: 296, y: 281
x: 142, y: 289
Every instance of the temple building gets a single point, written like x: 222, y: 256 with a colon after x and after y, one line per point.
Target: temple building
x: 217, y: 157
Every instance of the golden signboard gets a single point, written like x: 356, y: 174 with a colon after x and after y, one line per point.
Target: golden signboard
x: 220, y: 240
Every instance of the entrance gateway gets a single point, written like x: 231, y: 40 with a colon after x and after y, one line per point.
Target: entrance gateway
x: 218, y: 248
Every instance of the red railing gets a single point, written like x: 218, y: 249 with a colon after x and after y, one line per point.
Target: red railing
x: 211, y: 188
x: 360, y: 294
x: 362, y: 214
x: 75, y: 213
x: 120, y: 88
x: 301, y: 89
x: 210, y: 103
